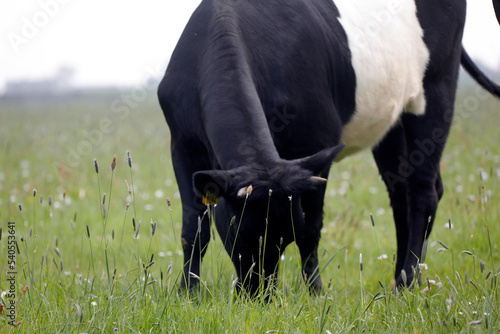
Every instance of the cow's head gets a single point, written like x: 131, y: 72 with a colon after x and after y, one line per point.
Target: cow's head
x: 268, y: 215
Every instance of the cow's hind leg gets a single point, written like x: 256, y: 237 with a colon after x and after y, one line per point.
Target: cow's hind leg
x: 408, y: 162
x: 425, y: 137
x: 388, y: 155
x: 195, y: 222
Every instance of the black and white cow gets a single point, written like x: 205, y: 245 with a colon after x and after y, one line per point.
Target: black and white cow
x: 264, y: 93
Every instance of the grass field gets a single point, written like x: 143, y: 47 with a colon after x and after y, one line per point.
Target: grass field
x: 83, y: 266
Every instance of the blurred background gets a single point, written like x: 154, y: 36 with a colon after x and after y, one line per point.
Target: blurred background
x: 59, y: 45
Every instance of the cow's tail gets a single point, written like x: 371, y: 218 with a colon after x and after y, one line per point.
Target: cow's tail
x: 478, y: 75
x: 496, y: 5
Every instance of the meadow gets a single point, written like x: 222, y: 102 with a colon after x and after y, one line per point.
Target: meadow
x: 98, y: 249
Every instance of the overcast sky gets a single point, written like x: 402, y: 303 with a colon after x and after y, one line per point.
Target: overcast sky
x: 113, y: 42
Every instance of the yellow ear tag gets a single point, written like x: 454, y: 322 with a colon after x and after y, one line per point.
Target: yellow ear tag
x: 210, y: 199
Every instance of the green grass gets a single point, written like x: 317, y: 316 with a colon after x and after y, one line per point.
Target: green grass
x: 112, y: 281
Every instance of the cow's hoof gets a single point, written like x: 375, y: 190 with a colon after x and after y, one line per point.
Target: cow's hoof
x: 191, y: 290
x: 406, y: 281
x: 315, y: 287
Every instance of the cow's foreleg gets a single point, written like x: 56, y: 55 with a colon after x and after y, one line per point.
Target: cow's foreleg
x: 308, y: 238
x: 195, y: 224
x: 195, y: 238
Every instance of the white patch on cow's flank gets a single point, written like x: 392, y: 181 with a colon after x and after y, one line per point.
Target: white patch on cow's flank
x: 389, y: 58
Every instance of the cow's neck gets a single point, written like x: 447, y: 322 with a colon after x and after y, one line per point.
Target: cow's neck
x: 233, y: 115
x: 237, y: 128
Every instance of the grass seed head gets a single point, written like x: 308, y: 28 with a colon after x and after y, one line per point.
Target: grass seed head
x: 169, y: 203
x: 96, y: 166
x: 153, y: 228
x: 150, y: 264
x: 129, y: 159
x: 79, y: 313
x: 34, y: 192
x: 250, y: 271
x: 137, y: 231
x: 20, y: 207
x: 88, y: 232
x: 404, y: 277
x: 488, y: 275
x: 168, y: 269
x: 233, y: 284
x: 191, y: 274
x: 113, y: 163
x: 442, y: 244
x: 249, y: 190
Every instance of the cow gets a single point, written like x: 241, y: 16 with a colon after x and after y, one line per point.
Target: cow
x: 262, y: 96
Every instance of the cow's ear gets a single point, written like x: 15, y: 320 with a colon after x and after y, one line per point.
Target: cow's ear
x: 211, y: 184
x: 321, y: 160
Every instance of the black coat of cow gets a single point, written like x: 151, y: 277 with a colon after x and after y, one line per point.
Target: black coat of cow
x: 257, y: 95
